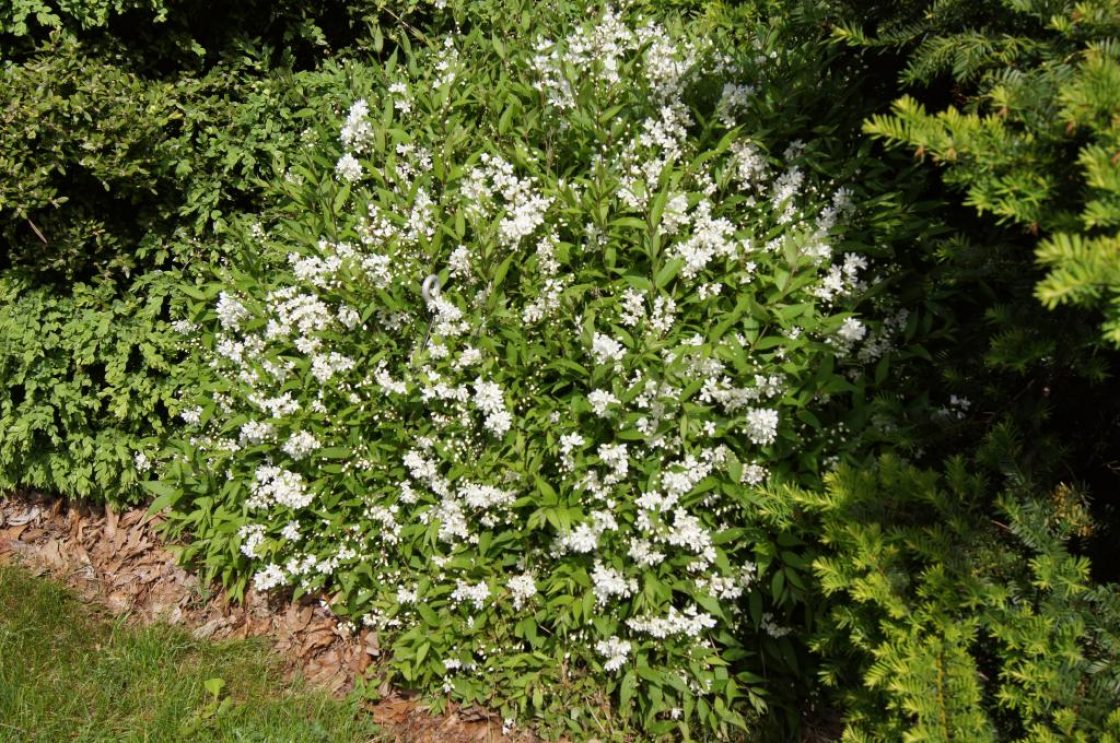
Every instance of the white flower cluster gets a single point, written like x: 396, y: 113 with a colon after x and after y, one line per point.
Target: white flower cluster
x: 300, y: 445
x: 357, y: 133
x: 348, y: 168
x: 762, y: 426
x: 600, y: 401
x: 273, y: 485
x: 252, y: 537
x: 523, y: 588
x: 605, y: 349
x: 524, y: 208
x: 476, y: 594
x: 615, y: 651
x: 230, y: 312
x: 609, y: 582
x: 690, y: 623
x: 490, y: 401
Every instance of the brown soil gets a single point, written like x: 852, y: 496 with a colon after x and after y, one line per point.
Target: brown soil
x: 116, y: 560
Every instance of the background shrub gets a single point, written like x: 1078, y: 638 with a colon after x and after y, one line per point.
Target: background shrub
x: 1035, y: 139
x: 88, y: 381
x: 951, y: 624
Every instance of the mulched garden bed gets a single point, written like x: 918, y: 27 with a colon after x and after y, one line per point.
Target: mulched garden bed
x: 117, y: 560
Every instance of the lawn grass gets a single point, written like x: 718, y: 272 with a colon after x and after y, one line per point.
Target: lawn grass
x: 68, y: 674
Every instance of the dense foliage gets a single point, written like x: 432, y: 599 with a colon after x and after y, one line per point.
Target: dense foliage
x: 1018, y: 101
x: 603, y: 359
x: 957, y: 625
x: 88, y: 384
x: 131, y: 135
x: 1035, y: 140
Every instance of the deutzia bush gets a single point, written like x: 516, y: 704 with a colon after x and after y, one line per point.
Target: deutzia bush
x: 504, y: 384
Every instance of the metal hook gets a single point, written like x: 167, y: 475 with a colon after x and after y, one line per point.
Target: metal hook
x: 430, y: 288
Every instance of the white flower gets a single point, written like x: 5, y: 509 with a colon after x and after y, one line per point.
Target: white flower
x: 734, y: 99
x: 688, y: 533
x: 460, y: 262
x: 278, y: 406
x: 772, y: 628
x: 617, y: 457
x: 633, y: 308
x: 711, y: 237
x: 750, y: 164
x: 568, y: 444
x: 488, y: 398
x: 691, y: 623
x: 485, y: 496
x: 357, y: 134
x: 348, y: 168
x: 230, y: 312
x: 293, y: 312
x: 325, y: 366
x: 762, y: 426
x: 291, y: 531
x: 252, y: 537
x: 255, y: 432
x: 184, y: 327
x: 663, y: 316
x: 313, y: 269
x: 269, y: 578
x: 523, y: 216
x: 274, y: 485
x: 604, y: 349
x: 600, y: 400
x: 476, y: 594
x: 349, y: 317
x: 754, y: 474
x: 675, y: 214
x: 468, y: 357
x: 402, y: 102
x: 851, y: 331
x: 642, y: 552
x: 546, y: 304
x: 581, y: 540
x: 615, y: 651
x: 300, y: 445
x: 570, y: 441
x: 607, y: 582
x: 523, y: 588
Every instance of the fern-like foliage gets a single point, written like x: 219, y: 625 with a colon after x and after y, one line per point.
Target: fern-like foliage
x: 89, y: 381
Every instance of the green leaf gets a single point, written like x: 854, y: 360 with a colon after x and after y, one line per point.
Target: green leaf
x: 214, y: 686
x: 166, y: 495
x: 668, y: 272
x: 626, y: 691
x: 499, y: 47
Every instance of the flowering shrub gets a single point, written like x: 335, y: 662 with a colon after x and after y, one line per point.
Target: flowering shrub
x: 504, y: 385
